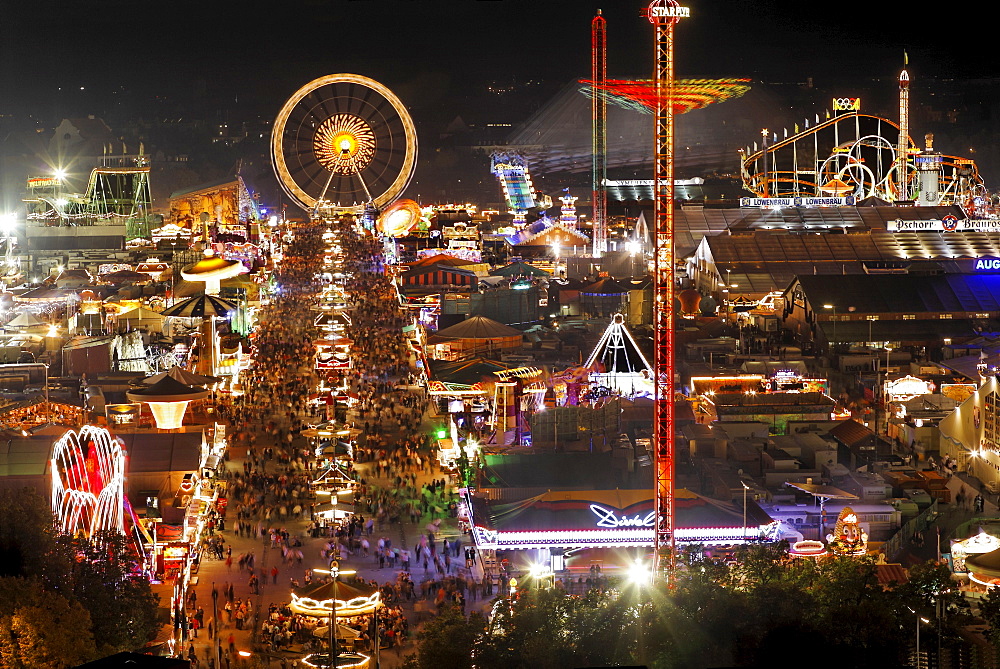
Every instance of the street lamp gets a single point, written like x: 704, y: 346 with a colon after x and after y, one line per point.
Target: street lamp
x: 882, y: 392
x: 920, y: 619
x: 834, y: 308
x: 541, y: 573
x: 745, y: 488
x: 7, y: 223
x: 639, y: 573
x: 334, y: 571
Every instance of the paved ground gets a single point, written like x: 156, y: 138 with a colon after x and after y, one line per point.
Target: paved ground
x: 215, y: 573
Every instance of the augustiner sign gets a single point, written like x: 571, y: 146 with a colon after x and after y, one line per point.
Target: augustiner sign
x: 945, y: 224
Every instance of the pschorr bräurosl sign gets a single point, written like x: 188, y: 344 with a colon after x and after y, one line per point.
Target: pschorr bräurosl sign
x: 944, y: 224
x: 774, y: 202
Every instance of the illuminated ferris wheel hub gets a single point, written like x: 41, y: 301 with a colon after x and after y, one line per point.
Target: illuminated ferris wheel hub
x: 344, y: 144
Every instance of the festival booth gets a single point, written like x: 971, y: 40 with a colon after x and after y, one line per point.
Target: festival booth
x: 331, y: 439
x: 560, y: 523
x: 139, y: 318
x: 462, y: 388
x: 786, y: 376
x: 475, y: 335
x: 170, y: 551
x: 764, y: 377
x: 906, y: 388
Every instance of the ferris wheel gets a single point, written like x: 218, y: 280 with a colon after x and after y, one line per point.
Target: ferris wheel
x: 343, y: 143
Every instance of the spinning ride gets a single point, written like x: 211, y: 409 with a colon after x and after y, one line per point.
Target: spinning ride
x: 343, y: 144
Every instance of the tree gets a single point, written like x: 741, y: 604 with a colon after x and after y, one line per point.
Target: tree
x: 108, y: 581
x: 101, y: 574
x: 833, y: 611
x: 448, y: 641
x: 30, y: 546
x: 40, y: 629
x: 989, y: 609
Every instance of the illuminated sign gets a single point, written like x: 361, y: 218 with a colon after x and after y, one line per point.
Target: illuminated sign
x: 847, y: 201
x: 109, y: 267
x: 658, y: 11
x: 608, y: 518
x: 43, y: 182
x: 695, y: 181
x: 847, y: 104
x: 945, y: 224
x: 987, y: 264
x: 175, y: 552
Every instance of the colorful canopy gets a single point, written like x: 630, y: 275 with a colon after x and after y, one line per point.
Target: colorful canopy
x: 478, y: 327
x: 180, y: 374
x: 520, y: 269
x: 200, y: 307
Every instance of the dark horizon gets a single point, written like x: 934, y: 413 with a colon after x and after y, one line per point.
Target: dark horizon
x: 197, y: 57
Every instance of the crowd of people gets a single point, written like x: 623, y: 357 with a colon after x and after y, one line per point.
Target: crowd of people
x: 397, y: 478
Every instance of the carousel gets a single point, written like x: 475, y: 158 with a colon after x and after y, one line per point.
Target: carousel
x: 349, y: 604
x: 984, y: 569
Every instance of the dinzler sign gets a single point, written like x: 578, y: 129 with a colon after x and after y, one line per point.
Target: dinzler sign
x: 946, y: 224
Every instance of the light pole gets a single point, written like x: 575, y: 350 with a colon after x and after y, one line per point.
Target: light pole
x: 918, y: 662
x: 7, y: 223
x: 884, y: 395
x: 334, y: 571
x: 745, y: 488
x: 376, y: 637
x: 834, y: 335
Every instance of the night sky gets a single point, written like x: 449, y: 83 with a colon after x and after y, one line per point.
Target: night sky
x: 252, y: 55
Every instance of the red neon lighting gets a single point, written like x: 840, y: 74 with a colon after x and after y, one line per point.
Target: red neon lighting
x: 688, y: 94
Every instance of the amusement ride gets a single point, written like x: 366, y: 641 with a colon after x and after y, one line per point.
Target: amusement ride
x: 343, y: 144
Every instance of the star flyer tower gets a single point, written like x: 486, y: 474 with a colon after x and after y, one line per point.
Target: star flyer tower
x: 664, y: 14
x: 599, y: 141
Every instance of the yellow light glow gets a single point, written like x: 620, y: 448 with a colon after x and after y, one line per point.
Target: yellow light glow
x: 344, y: 144
x: 168, y: 415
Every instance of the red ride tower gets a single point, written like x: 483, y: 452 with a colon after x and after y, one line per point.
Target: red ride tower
x: 599, y: 141
x: 664, y: 14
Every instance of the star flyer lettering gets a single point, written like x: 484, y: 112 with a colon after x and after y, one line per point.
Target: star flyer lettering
x: 669, y: 12
x: 607, y: 518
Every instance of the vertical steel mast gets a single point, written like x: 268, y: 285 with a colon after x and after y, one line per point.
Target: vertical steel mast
x: 904, y: 133
x: 663, y: 14
x: 599, y: 141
